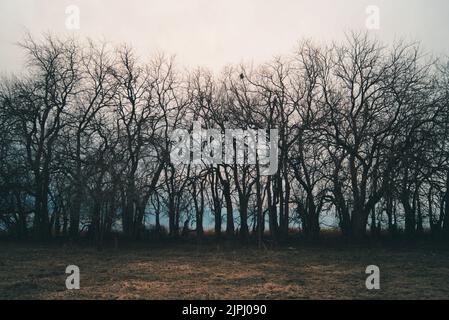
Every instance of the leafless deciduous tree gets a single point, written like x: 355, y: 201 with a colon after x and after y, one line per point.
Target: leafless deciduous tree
x: 85, y: 143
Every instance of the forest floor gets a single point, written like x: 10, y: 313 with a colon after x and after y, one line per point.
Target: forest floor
x: 210, y: 272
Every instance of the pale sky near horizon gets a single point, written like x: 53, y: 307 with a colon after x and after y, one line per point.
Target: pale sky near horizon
x: 214, y: 33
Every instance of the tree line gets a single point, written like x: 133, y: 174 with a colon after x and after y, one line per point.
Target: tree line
x: 85, y: 142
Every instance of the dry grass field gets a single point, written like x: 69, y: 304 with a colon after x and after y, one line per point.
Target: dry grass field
x: 208, y: 272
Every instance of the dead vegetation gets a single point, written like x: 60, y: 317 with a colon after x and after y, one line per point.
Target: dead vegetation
x: 207, y: 272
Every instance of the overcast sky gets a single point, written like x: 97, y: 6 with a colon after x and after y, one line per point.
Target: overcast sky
x: 213, y: 33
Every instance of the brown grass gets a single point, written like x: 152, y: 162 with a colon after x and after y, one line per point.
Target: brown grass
x: 207, y: 272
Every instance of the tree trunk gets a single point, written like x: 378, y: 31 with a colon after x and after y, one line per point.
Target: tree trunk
x: 446, y: 209
x: 229, y: 210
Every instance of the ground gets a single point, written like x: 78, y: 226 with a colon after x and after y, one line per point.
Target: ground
x: 211, y: 272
